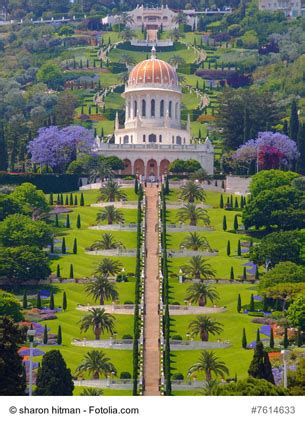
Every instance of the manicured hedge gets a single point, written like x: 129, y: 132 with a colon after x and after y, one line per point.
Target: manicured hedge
x: 49, y: 183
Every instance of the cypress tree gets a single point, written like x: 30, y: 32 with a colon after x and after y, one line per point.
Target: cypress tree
x: 260, y: 366
x: 299, y: 337
x: 238, y: 248
x: 271, y: 341
x: 82, y: 200
x: 25, y: 301
x: 52, y: 306
x: 221, y: 205
x: 228, y: 248
x: 68, y: 221
x: 13, y: 377
x: 78, y: 222
x: 58, y: 271
x: 244, y: 340
x: 71, y: 199
x: 53, y: 377
x: 300, y: 167
x: 258, y: 336
x: 3, y: 150
x: 61, y: 199
x: 245, y: 273
x: 52, y: 246
x: 236, y: 206
x: 38, y: 301
x: 58, y: 199
x: 231, y: 201
x: 224, y: 223
x: 239, y: 306
x: 64, y: 301
x: 67, y: 200
x: 232, y: 273
x: 251, y: 305
x: 75, y: 246
x: 235, y: 225
x: 166, y: 188
x: 294, y: 121
x: 75, y: 200
x: 285, y: 340
x: 136, y: 186
x: 71, y: 272
x: 56, y: 221
x: 51, y: 200
x: 45, y: 335
x: 277, y: 305
x: 63, y: 246
x: 59, y: 335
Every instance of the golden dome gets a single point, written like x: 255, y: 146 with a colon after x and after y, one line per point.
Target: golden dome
x: 153, y: 72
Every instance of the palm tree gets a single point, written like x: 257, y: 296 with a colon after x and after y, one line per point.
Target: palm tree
x: 127, y: 59
x: 127, y: 34
x: 176, y: 60
x: 107, y: 242
x: 204, y: 325
x: 101, y: 288
x: 110, y: 214
x: 110, y: 191
x: 191, y: 192
x: 102, y: 170
x: 180, y: 19
x: 201, y: 292
x: 200, y: 175
x: 96, y: 363
x: 193, y: 214
x: 175, y: 34
x: 195, y: 241
x: 99, y: 320
x: 92, y: 391
x: 208, y: 363
x: 124, y: 19
x: 109, y: 267
x: 198, y: 267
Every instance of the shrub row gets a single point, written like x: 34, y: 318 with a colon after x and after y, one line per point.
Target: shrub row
x: 49, y: 183
x: 165, y: 296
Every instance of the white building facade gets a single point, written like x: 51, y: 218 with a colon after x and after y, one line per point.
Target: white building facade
x: 290, y: 8
x: 152, y: 135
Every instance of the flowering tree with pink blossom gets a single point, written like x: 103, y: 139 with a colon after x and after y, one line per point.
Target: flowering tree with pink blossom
x: 272, y: 149
x: 56, y: 147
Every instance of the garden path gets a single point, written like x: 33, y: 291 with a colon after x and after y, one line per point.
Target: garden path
x: 151, y: 297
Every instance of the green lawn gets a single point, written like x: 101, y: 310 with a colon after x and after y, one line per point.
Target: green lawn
x: 236, y: 358
x: 69, y: 321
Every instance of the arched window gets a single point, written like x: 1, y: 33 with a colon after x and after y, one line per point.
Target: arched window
x: 170, y: 109
x: 131, y: 139
x: 173, y: 139
x: 128, y: 110
x: 125, y: 139
x: 135, y: 109
x: 178, y: 139
x: 161, y: 108
x: 144, y: 138
x: 152, y: 138
x: 143, y: 107
x: 176, y: 111
x: 152, y: 107
x: 160, y: 138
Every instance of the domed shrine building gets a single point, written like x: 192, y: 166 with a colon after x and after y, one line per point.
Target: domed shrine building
x: 152, y: 135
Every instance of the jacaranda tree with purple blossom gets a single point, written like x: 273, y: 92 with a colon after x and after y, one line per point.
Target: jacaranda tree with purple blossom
x: 57, y: 147
x: 272, y: 149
